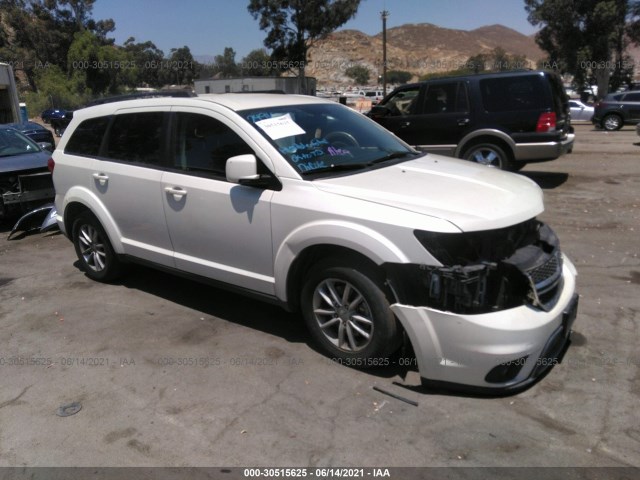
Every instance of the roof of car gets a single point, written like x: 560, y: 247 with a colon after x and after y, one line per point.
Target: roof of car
x: 232, y: 101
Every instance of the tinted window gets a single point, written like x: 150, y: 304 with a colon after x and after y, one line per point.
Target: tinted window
x: 513, y: 93
x: 402, y: 103
x: 203, y: 144
x: 136, y: 137
x: 446, y: 98
x: 87, y: 137
x: 632, y: 97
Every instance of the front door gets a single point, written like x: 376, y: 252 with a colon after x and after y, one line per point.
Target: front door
x: 218, y: 229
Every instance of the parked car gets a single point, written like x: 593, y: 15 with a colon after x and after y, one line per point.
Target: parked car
x: 305, y: 203
x: 638, y: 129
x: 52, y: 113
x: 25, y: 181
x: 60, y: 124
x: 374, y: 95
x: 505, y: 120
x: 580, y: 112
x: 36, y: 132
x: 617, y: 110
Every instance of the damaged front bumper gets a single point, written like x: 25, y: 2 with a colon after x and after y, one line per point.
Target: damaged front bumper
x: 27, y: 191
x: 494, y: 351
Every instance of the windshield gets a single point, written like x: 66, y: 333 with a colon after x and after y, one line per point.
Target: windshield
x: 326, y: 138
x: 14, y: 143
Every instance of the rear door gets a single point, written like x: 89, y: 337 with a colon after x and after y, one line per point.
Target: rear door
x: 127, y: 177
x: 631, y: 106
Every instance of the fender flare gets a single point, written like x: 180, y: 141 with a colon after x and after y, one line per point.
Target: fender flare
x: 85, y: 197
x: 364, y: 240
x: 487, y: 132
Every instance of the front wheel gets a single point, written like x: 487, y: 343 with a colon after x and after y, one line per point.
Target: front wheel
x: 96, y: 255
x: 612, y: 122
x: 348, y: 316
x: 488, y: 154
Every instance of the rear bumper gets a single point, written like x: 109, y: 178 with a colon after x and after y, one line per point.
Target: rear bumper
x: 530, y: 152
x: 494, y: 352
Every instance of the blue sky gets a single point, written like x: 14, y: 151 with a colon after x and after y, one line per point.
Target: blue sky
x: 208, y: 26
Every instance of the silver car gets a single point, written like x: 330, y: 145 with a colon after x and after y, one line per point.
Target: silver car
x: 580, y: 112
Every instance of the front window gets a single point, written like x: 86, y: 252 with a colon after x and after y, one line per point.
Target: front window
x: 325, y: 138
x: 14, y: 143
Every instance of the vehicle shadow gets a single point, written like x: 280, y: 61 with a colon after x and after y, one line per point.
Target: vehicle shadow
x: 400, y: 370
x: 547, y: 180
x: 238, y: 309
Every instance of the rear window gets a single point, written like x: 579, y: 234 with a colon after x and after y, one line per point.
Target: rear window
x: 507, y: 94
x: 87, y: 137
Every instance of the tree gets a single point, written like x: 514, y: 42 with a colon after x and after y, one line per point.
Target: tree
x: 104, y: 68
x: 258, y: 63
x: 398, y: 77
x: 39, y: 33
x: 294, y: 25
x: 586, y: 37
x: 225, y: 65
x: 182, y: 68
x: 147, y: 60
x: 359, y: 73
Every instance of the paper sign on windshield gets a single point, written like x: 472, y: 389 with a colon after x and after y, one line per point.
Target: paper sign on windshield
x: 280, y: 127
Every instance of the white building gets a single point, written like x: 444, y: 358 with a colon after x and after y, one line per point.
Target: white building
x: 255, y: 84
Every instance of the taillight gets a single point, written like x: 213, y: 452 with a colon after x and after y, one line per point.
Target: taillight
x: 546, y: 122
x: 51, y: 164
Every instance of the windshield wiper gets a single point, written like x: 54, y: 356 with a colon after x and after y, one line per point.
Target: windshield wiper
x: 394, y: 155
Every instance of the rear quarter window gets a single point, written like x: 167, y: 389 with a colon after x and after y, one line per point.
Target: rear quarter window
x: 87, y: 137
x: 509, y: 94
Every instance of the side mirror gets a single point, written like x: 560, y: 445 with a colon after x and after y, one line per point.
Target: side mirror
x: 242, y: 169
x: 379, y: 111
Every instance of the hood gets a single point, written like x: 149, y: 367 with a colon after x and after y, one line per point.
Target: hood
x: 27, y: 161
x: 473, y: 197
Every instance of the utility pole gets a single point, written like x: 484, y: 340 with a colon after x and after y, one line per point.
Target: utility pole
x: 384, y: 14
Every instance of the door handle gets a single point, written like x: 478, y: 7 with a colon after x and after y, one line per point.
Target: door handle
x: 463, y: 122
x: 405, y: 124
x: 101, y: 178
x: 177, y: 192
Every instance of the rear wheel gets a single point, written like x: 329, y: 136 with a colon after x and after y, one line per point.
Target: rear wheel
x: 488, y: 154
x: 96, y: 255
x: 612, y: 122
x: 348, y: 315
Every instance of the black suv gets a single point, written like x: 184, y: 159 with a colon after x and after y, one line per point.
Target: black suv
x: 502, y: 119
x: 616, y: 110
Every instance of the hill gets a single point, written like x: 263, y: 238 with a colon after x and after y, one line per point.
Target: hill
x: 416, y: 48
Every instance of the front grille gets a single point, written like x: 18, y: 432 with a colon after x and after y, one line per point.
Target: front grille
x: 547, y: 270
x: 546, y: 281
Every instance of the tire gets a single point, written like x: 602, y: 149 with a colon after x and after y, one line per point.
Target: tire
x: 612, y: 122
x: 488, y: 154
x: 94, y: 250
x: 348, y: 315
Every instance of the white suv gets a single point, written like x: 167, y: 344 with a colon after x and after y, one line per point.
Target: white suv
x: 306, y: 203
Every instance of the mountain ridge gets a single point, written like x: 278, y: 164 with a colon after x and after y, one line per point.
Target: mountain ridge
x: 418, y: 48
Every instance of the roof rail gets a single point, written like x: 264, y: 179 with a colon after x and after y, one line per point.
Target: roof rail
x: 133, y: 96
